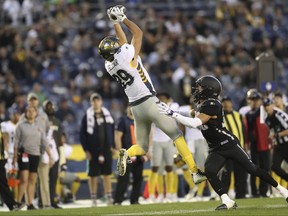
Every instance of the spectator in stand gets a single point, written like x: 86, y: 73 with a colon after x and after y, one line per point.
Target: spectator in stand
x: 64, y: 112
x: 4, y: 116
x: 50, y: 75
x: 97, y: 140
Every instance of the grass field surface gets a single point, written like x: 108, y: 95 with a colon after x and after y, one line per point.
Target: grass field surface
x: 267, y: 206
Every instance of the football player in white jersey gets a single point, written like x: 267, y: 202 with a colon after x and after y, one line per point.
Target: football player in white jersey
x: 8, y: 129
x: 124, y: 64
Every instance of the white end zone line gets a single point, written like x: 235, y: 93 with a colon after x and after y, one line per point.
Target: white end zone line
x: 175, y: 212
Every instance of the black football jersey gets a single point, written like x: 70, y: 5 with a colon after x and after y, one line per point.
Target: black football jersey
x: 214, y: 130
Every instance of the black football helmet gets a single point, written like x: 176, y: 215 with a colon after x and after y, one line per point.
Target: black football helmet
x: 108, y: 47
x: 206, y: 87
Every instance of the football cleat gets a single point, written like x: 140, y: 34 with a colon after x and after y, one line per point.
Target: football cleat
x: 198, y: 177
x: 122, y: 162
x: 227, y: 206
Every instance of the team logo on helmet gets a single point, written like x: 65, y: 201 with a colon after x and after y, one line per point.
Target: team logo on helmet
x: 108, y: 47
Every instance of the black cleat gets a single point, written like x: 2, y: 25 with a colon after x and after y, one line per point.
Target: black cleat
x: 18, y: 206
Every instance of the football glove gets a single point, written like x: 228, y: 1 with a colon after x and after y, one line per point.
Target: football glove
x: 112, y: 18
x: 165, y: 109
x: 118, y: 13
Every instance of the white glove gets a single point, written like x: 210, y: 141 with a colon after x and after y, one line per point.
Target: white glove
x: 165, y: 109
x: 114, y: 21
x: 118, y: 13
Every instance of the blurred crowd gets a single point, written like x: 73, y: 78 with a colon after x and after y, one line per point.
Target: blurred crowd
x: 50, y: 48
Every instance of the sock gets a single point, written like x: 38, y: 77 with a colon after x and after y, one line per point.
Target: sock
x: 93, y: 196
x: 184, y: 151
x: 201, y: 188
x: 135, y: 150
x: 175, y: 183
x: 188, y: 178
x: 109, y: 195
x: 280, y: 187
x: 152, y: 183
x: 226, y: 199
x: 160, y: 184
x: 169, y: 182
x: 74, y: 187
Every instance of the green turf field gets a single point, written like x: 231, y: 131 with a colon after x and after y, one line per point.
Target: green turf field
x: 247, y: 207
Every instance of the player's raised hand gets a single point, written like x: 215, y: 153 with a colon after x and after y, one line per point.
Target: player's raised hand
x: 112, y: 17
x: 118, y: 13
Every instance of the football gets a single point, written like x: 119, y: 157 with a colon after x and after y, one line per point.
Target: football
x: 119, y: 6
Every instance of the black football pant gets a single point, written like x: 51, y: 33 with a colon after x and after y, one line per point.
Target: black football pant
x: 240, y: 178
x: 280, y: 153
x: 5, y: 192
x: 217, y: 158
x: 53, y: 176
x: 136, y: 168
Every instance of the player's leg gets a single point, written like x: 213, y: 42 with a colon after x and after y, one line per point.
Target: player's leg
x: 213, y: 164
x: 276, y: 163
x: 142, y: 131
x: 241, y: 157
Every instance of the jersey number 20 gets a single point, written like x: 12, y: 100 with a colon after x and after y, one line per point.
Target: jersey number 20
x: 124, y: 78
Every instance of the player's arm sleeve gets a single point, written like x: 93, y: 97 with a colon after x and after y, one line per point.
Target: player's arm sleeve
x: 187, y: 121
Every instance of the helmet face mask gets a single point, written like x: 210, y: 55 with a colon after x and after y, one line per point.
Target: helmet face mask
x: 108, y: 47
x: 206, y: 87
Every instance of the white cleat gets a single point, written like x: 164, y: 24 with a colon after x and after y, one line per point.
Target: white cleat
x: 198, y: 177
x: 122, y: 162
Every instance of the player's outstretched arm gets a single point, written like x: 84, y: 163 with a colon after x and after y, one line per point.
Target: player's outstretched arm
x: 120, y: 34
x: 137, y: 36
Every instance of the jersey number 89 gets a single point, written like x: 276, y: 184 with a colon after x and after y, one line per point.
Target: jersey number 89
x: 123, y: 78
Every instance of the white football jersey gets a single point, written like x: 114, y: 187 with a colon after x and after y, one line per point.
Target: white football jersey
x: 158, y: 134
x: 135, y: 81
x: 9, y: 127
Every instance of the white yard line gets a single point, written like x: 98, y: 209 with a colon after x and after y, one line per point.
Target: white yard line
x: 175, y: 212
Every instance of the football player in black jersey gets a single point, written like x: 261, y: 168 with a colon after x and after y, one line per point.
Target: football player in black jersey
x: 222, y: 144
